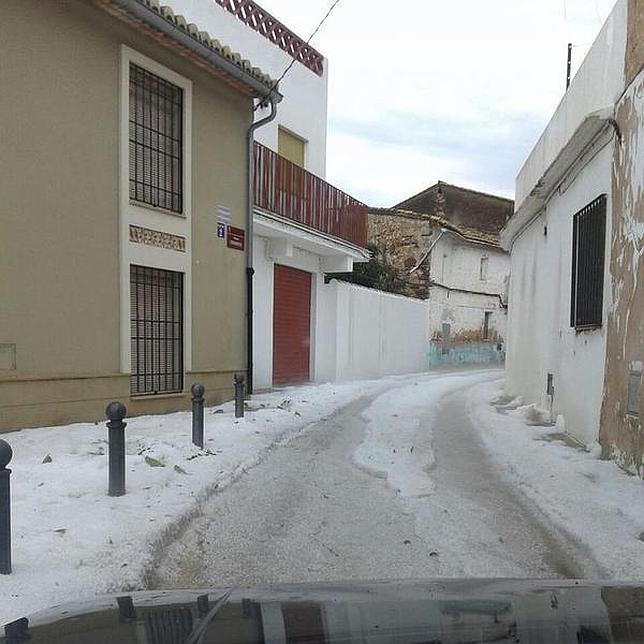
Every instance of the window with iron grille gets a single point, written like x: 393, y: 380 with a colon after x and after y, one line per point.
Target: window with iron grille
x: 155, y: 140
x: 587, y: 284
x: 156, y: 323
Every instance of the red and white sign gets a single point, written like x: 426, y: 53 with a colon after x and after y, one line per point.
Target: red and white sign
x: 236, y: 238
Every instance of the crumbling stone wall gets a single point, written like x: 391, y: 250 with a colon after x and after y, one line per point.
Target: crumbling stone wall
x: 621, y: 433
x: 634, y: 40
x: 403, y: 239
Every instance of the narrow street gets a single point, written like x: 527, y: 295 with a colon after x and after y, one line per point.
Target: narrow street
x: 489, y: 526
x: 309, y: 513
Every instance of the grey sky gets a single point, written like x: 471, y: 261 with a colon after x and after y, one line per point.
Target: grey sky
x: 457, y: 90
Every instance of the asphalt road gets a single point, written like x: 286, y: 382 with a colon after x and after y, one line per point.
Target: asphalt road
x: 308, y: 513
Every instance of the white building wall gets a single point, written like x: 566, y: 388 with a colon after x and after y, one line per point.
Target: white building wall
x: 303, y: 111
x: 597, y: 84
x: 540, y: 338
x: 328, y: 334
x: 464, y: 312
x: 457, y: 265
x: 262, y: 316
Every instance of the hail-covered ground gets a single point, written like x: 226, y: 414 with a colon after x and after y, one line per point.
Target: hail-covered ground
x: 425, y: 475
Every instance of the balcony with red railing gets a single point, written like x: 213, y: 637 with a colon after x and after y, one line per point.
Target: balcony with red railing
x: 287, y: 190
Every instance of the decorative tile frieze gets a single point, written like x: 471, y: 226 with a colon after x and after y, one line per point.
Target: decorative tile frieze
x: 139, y: 235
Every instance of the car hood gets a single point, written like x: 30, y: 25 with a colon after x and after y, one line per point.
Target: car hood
x: 460, y: 610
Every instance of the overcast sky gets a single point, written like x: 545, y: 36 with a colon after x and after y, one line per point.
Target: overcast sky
x: 457, y: 90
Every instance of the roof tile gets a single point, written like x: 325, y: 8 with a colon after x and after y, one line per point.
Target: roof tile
x: 468, y: 233
x: 212, y: 43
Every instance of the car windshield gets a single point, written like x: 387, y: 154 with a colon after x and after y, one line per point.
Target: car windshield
x: 322, y: 320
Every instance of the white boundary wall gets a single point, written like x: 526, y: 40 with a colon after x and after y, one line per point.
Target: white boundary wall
x: 365, y: 333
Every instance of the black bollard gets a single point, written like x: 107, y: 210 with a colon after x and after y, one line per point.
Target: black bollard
x: 116, y: 411
x: 197, y: 414
x: 239, y: 395
x: 6, y: 454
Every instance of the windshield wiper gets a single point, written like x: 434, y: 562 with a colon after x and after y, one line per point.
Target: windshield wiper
x: 198, y: 632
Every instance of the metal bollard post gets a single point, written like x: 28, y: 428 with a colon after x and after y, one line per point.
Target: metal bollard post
x: 116, y: 411
x: 6, y: 454
x: 197, y: 414
x: 239, y: 395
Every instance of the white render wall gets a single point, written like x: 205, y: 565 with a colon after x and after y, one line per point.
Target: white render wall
x: 540, y: 338
x: 597, y: 84
x: 456, y: 264
x: 464, y: 312
x: 303, y: 111
x: 369, y: 333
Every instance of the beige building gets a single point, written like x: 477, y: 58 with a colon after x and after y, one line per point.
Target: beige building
x: 123, y: 158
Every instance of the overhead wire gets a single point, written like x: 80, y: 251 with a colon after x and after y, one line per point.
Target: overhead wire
x: 597, y: 13
x: 566, y: 24
x: 334, y: 4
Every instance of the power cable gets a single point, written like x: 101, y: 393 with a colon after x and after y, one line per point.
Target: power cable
x: 334, y: 4
x: 597, y: 13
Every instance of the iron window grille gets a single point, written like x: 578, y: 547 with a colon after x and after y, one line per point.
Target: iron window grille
x: 156, y: 331
x: 155, y: 140
x: 587, y: 283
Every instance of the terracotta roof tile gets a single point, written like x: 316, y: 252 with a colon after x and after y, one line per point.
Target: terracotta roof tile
x: 467, y: 232
x: 462, y: 206
x: 199, y: 35
x: 212, y: 43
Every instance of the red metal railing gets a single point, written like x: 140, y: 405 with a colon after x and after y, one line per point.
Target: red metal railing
x: 271, y: 28
x: 287, y: 190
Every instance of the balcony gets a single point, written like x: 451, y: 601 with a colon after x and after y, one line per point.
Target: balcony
x: 285, y: 189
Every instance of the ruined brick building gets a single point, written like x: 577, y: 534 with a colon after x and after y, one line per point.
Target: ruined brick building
x: 444, y: 243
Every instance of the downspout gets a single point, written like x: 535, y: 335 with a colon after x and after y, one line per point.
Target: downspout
x: 250, y: 271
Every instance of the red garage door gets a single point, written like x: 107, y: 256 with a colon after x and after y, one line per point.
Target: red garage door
x: 291, y: 325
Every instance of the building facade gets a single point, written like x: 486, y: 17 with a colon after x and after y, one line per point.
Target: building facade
x: 303, y: 227
x: 575, y: 338
x: 141, y: 285
x: 467, y: 299
x: 444, y: 245
x: 124, y: 132
x: 299, y: 130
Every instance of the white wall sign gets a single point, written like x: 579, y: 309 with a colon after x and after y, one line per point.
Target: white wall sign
x: 223, y: 220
